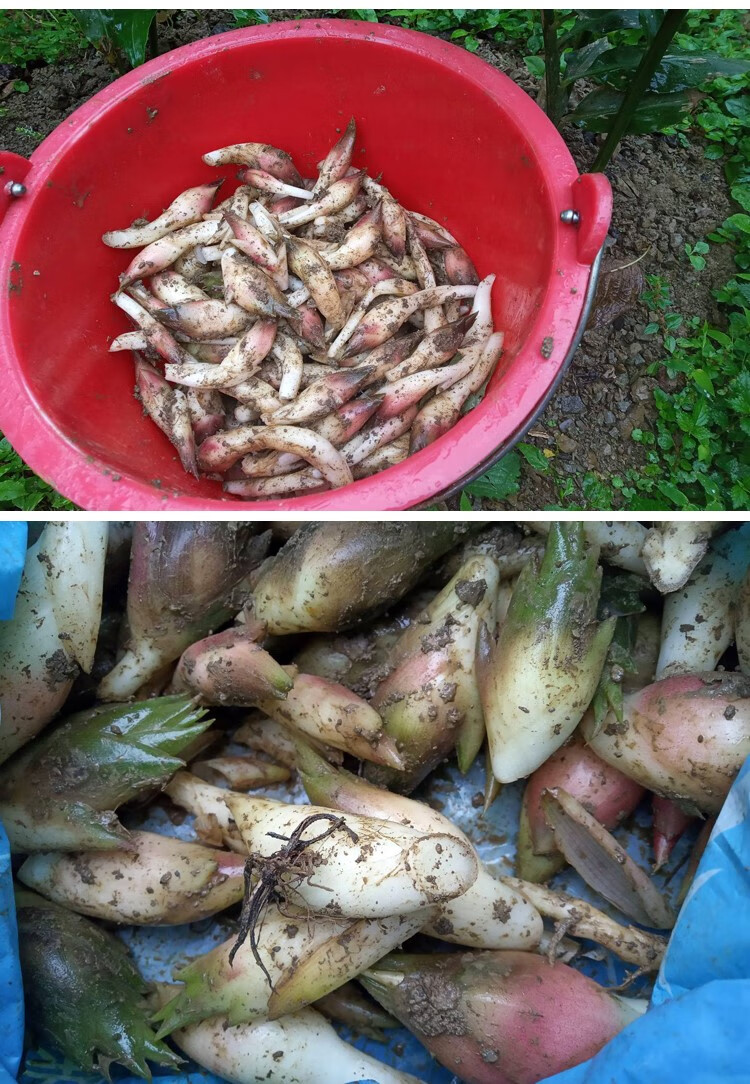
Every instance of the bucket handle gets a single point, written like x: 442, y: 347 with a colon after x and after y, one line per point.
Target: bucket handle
x: 591, y: 213
x: 13, y: 170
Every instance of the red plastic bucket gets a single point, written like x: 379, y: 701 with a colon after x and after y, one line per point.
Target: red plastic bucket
x: 455, y: 138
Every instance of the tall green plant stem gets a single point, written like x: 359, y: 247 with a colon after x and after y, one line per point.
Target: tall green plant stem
x: 153, y: 39
x: 638, y: 86
x: 552, y: 89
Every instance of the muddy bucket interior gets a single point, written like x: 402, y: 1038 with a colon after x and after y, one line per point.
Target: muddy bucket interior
x: 454, y: 139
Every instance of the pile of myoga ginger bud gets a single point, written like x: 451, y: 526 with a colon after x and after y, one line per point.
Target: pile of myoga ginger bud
x: 302, y: 333
x: 278, y: 700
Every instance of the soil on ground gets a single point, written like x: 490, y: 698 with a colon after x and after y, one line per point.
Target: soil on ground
x: 666, y: 194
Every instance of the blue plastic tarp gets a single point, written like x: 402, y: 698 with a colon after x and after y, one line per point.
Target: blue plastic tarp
x: 12, y: 556
x: 695, y: 1032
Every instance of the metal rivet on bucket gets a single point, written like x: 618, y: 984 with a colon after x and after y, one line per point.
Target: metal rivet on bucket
x: 570, y: 217
x: 15, y: 188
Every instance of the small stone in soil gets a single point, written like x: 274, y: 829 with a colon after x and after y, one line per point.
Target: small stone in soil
x: 570, y: 404
x: 566, y: 444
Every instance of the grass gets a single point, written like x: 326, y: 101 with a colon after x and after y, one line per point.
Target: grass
x: 21, y: 489
x: 698, y: 451
x: 27, y: 37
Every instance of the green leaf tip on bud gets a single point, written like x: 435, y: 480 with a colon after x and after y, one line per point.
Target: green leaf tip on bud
x: 61, y: 792
x: 84, y: 995
x: 306, y: 956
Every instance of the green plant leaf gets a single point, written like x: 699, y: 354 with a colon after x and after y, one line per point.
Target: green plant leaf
x: 22, y: 490
x: 13, y: 491
x: 675, y: 495
x: 650, y: 20
x: 719, y: 337
x: 247, y: 17
x: 500, y: 481
x: 535, y: 65
x: 534, y: 457
x: 703, y: 380
x: 28, y: 36
x: 739, y: 108
x: 741, y: 194
x: 93, y: 23
x: 597, y: 493
x: 654, y: 111
x: 123, y: 30
x: 581, y: 61
x: 680, y: 69
x: 131, y: 33
x: 740, y: 397
x: 601, y: 22
x: 739, y: 222
x: 614, y: 65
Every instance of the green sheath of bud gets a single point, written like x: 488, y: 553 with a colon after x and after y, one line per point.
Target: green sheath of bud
x: 621, y: 596
x: 84, y: 996
x: 563, y: 580
x: 537, y: 868
x: 60, y: 793
x: 619, y: 662
x: 546, y: 665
